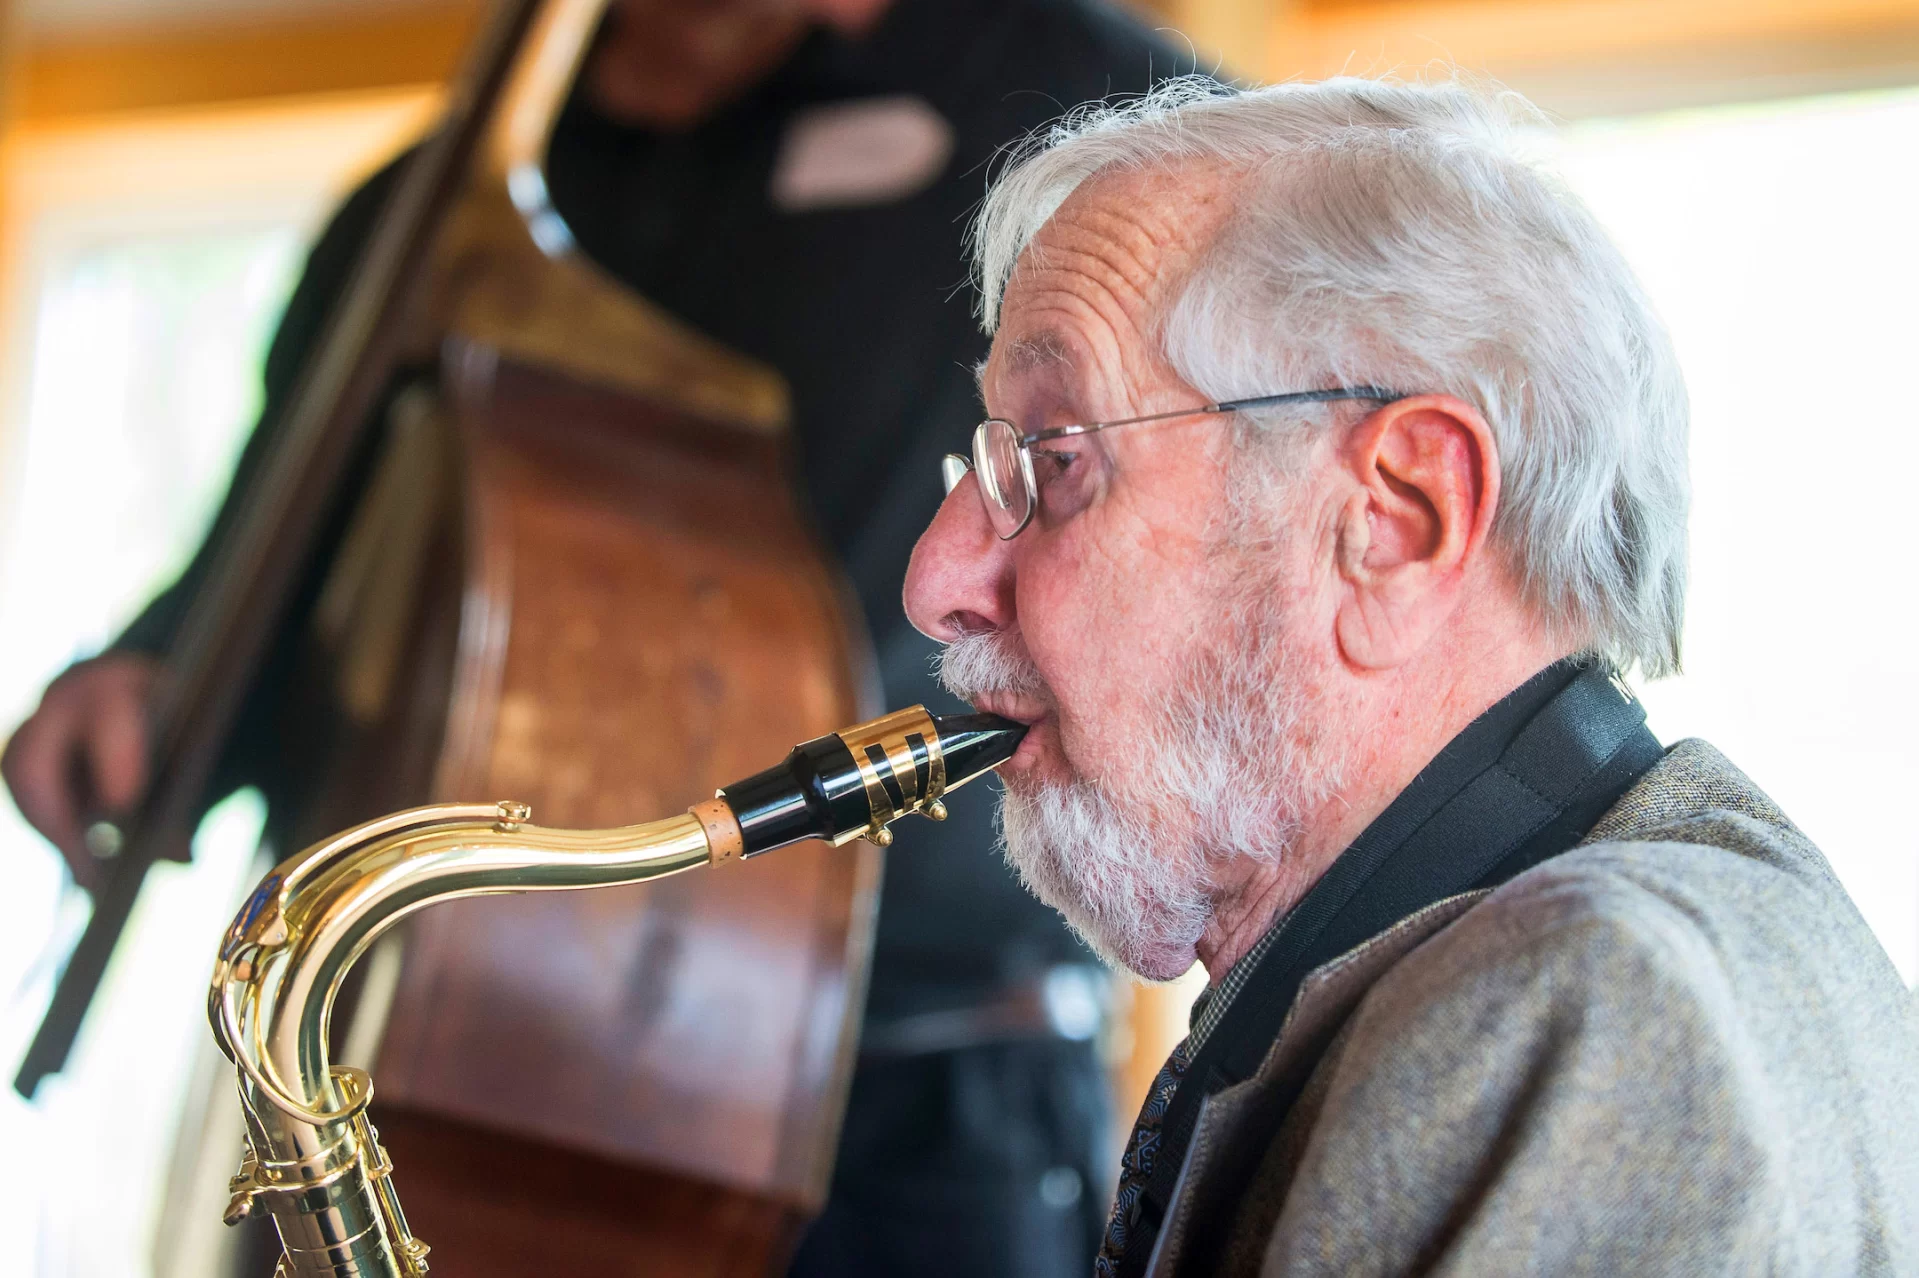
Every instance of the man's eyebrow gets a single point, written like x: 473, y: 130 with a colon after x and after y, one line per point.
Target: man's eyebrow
x: 1023, y: 355
x: 1038, y: 351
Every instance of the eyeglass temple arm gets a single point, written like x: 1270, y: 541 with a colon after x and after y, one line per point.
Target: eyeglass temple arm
x: 1308, y: 397
x: 1227, y: 406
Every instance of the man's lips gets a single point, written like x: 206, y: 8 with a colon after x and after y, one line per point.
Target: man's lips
x: 1021, y: 709
x: 1018, y: 708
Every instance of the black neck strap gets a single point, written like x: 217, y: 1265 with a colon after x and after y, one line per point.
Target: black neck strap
x: 1522, y: 783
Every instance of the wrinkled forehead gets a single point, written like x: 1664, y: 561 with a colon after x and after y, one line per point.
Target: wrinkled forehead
x: 1090, y: 284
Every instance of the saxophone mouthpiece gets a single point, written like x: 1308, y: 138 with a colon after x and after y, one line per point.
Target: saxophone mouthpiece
x: 975, y: 744
x: 855, y: 782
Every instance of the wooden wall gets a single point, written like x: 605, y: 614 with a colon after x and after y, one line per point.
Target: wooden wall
x: 1578, y: 57
x: 64, y: 75
x: 1575, y: 57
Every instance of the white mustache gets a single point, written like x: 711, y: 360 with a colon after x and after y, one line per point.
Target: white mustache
x: 988, y: 661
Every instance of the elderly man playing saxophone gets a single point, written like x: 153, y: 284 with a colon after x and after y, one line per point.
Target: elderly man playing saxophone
x: 1336, y: 469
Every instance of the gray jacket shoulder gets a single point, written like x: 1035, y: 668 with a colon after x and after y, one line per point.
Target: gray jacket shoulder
x: 1676, y: 1048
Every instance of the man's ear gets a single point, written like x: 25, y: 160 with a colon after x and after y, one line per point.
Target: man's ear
x: 1424, y: 477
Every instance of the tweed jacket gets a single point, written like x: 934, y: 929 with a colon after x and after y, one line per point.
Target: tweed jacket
x: 1675, y: 1049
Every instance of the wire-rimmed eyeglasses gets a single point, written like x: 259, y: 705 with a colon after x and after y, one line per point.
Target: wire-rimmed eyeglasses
x: 1003, y: 460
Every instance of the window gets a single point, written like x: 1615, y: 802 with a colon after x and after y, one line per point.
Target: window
x: 1778, y: 243
x: 148, y: 259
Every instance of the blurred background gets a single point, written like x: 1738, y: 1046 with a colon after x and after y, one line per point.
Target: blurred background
x: 165, y: 163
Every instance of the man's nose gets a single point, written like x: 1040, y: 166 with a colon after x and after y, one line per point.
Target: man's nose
x: 960, y: 580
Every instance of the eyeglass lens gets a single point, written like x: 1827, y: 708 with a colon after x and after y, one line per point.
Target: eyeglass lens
x: 1004, y: 479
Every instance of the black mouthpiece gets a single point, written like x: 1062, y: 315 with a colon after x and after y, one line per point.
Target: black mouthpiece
x: 975, y: 743
x: 912, y: 759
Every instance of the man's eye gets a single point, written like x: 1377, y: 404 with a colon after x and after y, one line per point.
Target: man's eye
x: 1064, y: 478
x: 1049, y: 464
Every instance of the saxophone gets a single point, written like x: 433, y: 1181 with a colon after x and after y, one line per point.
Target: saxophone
x: 313, y: 1160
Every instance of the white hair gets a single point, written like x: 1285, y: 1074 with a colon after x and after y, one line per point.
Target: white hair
x: 1224, y: 772
x: 1393, y: 235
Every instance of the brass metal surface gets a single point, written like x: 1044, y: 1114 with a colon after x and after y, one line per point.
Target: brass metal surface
x: 314, y: 1161
x: 890, y: 743
x: 313, y: 1158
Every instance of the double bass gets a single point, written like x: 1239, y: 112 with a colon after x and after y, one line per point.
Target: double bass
x: 578, y: 577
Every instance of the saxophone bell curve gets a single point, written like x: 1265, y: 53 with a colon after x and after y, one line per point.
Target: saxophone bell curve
x: 313, y: 1160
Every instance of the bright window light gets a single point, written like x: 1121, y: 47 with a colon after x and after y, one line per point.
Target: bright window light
x: 144, y: 382
x: 1779, y: 244
x: 148, y: 258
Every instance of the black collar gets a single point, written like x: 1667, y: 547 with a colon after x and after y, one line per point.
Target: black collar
x: 1523, y: 782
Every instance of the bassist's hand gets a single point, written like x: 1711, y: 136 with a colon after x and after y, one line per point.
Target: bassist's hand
x: 84, y: 753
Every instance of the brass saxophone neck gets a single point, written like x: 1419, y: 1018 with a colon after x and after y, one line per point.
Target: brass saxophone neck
x: 313, y: 1159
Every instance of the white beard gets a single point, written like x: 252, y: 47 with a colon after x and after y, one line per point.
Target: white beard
x: 1133, y: 860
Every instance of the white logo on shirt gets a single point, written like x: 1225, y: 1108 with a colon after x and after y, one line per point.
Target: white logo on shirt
x: 849, y: 154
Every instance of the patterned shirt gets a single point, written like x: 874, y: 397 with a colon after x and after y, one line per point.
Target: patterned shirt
x: 1143, y: 1146
x: 1209, y: 1009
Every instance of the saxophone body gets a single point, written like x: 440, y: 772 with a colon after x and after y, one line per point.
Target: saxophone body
x: 313, y: 1159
